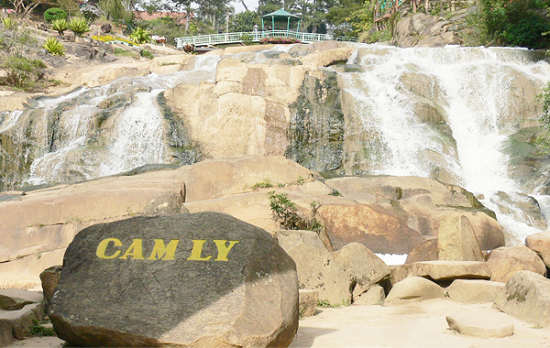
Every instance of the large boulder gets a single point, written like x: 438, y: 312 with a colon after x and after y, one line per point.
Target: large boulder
x: 540, y: 243
x: 378, y: 229
x: 316, y: 266
x: 366, y: 267
x: 527, y: 297
x: 204, y: 279
x: 457, y: 241
x: 504, y: 262
x: 426, y: 250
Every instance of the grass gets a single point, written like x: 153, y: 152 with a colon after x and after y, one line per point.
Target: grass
x: 119, y: 52
x: 264, y: 184
x: 327, y: 304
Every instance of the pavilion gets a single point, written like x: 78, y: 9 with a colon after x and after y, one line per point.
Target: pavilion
x: 280, y: 16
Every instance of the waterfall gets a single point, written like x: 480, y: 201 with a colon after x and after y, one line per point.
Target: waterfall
x: 136, y: 137
x: 471, y: 88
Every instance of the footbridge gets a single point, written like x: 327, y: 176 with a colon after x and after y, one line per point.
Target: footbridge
x: 252, y: 36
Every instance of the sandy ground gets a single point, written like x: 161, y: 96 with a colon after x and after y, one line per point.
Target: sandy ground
x: 412, y: 325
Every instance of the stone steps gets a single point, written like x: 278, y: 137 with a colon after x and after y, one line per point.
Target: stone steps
x: 17, y: 323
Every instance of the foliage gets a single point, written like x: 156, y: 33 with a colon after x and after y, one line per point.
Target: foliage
x: 54, y: 47
x: 244, y: 21
x: 70, y: 6
x: 79, y: 26
x: 247, y: 39
x: 264, y: 184
x: 327, y: 304
x: 117, y: 10
x: 124, y: 53
x: 146, y: 54
x: 164, y: 26
x: 54, y: 13
x: 140, y: 35
x: 22, y: 72
x: 9, y: 23
x: 25, y: 7
x: 60, y: 25
x: 38, y: 330
x: 91, y: 12
x: 278, y: 40
x: 285, y: 213
x: 511, y: 23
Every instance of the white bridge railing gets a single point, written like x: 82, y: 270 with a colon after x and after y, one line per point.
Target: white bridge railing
x: 254, y: 36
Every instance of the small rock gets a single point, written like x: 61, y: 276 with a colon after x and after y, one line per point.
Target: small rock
x: 50, y: 278
x: 413, y: 289
x: 308, y: 302
x: 374, y: 296
x: 483, y: 323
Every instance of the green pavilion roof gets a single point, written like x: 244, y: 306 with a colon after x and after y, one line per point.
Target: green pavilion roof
x: 279, y: 13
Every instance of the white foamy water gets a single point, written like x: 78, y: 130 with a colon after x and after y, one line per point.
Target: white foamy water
x: 137, y: 134
x: 393, y: 259
x: 473, y: 86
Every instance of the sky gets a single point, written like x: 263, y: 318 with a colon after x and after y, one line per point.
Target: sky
x: 251, y: 4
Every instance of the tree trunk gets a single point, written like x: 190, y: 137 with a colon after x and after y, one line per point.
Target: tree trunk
x: 245, y: 8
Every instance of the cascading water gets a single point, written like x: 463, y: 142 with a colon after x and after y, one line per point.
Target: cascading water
x: 135, y: 137
x: 471, y: 88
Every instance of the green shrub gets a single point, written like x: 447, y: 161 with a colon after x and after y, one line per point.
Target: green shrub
x: 147, y: 54
x: 247, y: 39
x: 54, y: 47
x: 9, y: 23
x: 54, y: 13
x: 22, y: 72
x: 285, y: 213
x: 79, y: 26
x: 37, y: 330
x: 60, y: 25
x: 264, y: 184
x: 140, y: 35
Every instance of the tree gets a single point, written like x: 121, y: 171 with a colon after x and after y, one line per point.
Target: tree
x: 25, y: 7
x: 245, y: 21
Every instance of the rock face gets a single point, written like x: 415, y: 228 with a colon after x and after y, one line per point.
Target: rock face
x: 308, y: 302
x: 203, y: 279
x: 540, y: 243
x: 483, y: 323
x: 316, y: 266
x: 506, y: 261
x: 457, y: 241
x: 527, y: 297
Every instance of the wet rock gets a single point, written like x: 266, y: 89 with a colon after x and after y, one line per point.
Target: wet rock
x: 204, y: 279
x: 505, y: 261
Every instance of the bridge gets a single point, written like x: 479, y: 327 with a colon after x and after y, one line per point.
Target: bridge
x: 251, y: 36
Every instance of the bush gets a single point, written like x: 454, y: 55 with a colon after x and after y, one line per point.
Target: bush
x: 278, y: 40
x: 147, y: 54
x: 285, y: 213
x: 54, y: 47
x: 22, y: 72
x: 9, y: 23
x: 60, y: 25
x: 79, y: 26
x: 54, y: 13
x: 140, y: 35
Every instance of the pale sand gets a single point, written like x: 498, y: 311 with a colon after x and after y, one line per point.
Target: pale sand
x: 413, y: 325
